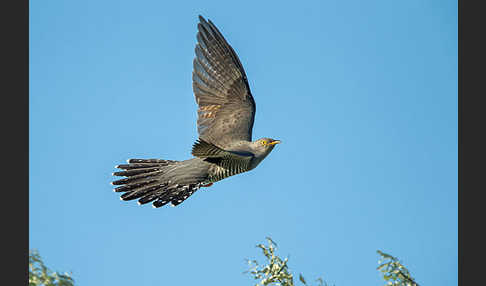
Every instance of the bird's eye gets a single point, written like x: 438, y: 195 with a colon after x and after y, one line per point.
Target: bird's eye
x: 263, y: 142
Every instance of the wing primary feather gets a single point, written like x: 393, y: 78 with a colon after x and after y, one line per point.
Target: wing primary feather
x: 232, y: 52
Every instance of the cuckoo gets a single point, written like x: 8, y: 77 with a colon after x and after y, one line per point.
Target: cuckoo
x: 226, y: 111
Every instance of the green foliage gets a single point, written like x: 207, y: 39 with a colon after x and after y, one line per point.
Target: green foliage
x: 40, y: 275
x: 276, y: 270
x: 394, y: 272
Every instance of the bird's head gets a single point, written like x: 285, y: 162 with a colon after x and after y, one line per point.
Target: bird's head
x: 265, y: 145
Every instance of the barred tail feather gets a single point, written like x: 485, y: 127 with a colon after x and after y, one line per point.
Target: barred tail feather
x: 156, y: 181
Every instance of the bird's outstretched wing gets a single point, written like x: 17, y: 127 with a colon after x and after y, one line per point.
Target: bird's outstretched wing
x: 226, y: 107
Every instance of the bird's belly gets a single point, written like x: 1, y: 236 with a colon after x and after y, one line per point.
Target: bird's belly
x: 218, y: 173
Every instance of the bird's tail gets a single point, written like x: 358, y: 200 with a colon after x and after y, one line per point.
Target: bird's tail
x: 158, y: 181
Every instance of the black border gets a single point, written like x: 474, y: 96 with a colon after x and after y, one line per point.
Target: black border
x: 471, y: 143
x: 15, y: 152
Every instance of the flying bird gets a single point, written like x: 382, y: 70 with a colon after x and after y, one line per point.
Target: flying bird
x: 226, y: 111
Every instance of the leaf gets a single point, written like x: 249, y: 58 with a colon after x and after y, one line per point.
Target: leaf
x: 39, y: 274
x: 301, y: 278
x: 271, y: 241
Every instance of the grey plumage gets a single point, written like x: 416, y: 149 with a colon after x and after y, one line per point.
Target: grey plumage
x: 226, y: 107
x: 226, y: 112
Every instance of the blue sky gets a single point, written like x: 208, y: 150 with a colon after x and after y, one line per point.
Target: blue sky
x: 363, y: 95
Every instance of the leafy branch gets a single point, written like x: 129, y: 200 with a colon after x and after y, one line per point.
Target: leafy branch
x: 394, y: 272
x: 40, y: 275
x: 276, y: 270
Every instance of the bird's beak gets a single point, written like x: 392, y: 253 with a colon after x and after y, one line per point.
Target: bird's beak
x: 274, y: 142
